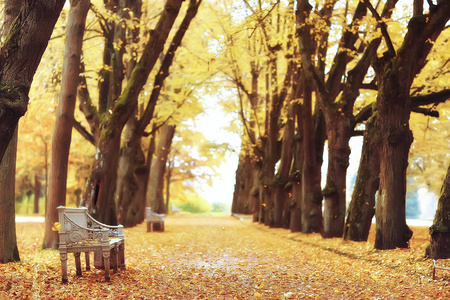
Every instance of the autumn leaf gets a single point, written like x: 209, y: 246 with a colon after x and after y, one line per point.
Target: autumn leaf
x: 56, y: 226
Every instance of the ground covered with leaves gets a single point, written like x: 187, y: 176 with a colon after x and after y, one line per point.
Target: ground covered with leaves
x: 206, y: 257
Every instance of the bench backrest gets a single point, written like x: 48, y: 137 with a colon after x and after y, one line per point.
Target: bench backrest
x: 77, y: 214
x: 151, y: 215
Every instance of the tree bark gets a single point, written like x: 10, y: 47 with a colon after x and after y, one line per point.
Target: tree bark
x: 20, y: 55
x: 8, y: 242
x: 280, y: 192
x: 440, y: 230
x: 101, y: 186
x: 295, y: 224
x: 242, y: 196
x: 362, y: 206
x: 396, y: 73
x: 158, y: 169
x: 62, y: 134
x: 312, y: 195
x: 132, y: 163
x: 338, y: 133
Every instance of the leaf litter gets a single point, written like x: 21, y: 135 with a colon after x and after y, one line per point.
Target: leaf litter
x: 210, y: 257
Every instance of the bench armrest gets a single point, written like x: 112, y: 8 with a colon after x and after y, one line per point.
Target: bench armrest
x: 113, y: 231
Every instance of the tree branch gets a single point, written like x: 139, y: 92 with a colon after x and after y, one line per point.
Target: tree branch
x: 383, y: 27
x: 433, y: 98
x: 426, y: 111
x: 163, y: 72
x: 416, y: 101
x: 89, y: 137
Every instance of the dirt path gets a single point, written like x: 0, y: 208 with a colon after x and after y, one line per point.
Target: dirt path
x: 226, y: 258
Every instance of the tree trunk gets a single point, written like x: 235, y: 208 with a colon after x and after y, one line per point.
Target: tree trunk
x: 440, y: 230
x: 132, y: 162
x: 242, y: 196
x: 396, y: 73
x: 312, y: 196
x: 295, y: 224
x: 396, y: 138
x: 62, y: 134
x: 8, y: 240
x: 8, y: 243
x: 101, y: 185
x: 362, y: 206
x: 158, y: 169
x: 145, y: 176
x: 280, y: 193
x: 338, y: 133
x: 20, y: 55
x: 37, y: 193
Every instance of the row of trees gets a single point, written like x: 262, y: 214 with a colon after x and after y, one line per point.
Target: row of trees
x: 300, y: 68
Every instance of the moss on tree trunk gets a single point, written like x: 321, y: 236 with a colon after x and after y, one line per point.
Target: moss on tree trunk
x: 440, y: 230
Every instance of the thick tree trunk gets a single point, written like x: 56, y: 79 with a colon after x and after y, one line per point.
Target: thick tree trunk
x: 101, y: 185
x: 158, y: 169
x: 62, y: 134
x: 338, y: 132
x: 280, y: 193
x: 243, y: 197
x: 8, y: 240
x: 145, y: 176
x: 20, y: 55
x: 132, y: 163
x: 362, y: 206
x: 312, y: 195
x: 8, y: 243
x: 440, y: 230
x: 295, y: 224
x: 395, y: 140
x: 396, y: 74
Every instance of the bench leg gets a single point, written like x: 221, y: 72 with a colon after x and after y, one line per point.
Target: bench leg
x: 115, y: 258
x: 88, y: 262
x: 122, y: 256
x: 156, y: 226
x: 98, y: 260
x: 149, y: 226
x: 106, y: 263
x: 78, y: 263
x: 63, y: 258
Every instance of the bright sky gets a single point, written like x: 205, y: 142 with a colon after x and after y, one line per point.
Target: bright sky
x: 212, y: 124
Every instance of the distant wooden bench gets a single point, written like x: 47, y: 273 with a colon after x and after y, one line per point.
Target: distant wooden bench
x: 154, y: 220
x: 80, y: 232
x: 438, y: 267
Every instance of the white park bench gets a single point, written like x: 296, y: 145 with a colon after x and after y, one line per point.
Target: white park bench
x: 79, y: 232
x: 438, y: 267
x: 154, y: 220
